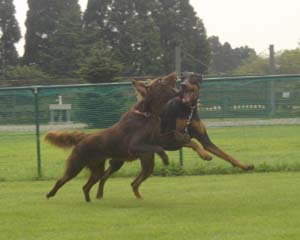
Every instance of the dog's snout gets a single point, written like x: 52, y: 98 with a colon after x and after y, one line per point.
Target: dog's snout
x: 177, y: 92
x: 183, y: 83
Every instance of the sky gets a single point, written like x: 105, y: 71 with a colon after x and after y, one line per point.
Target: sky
x: 255, y: 23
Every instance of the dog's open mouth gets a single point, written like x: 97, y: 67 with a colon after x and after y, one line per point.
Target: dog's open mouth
x: 189, y: 97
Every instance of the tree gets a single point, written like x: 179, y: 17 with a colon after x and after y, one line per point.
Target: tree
x: 95, y: 22
x: 254, y: 65
x: 53, y: 41
x: 179, y: 25
x: 135, y: 37
x: 100, y: 66
x: 289, y: 62
x: 128, y: 27
x: 26, y: 73
x: 144, y: 33
x: 9, y: 36
x: 225, y: 59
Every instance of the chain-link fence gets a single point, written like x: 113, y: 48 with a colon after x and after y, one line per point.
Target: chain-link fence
x: 245, y: 104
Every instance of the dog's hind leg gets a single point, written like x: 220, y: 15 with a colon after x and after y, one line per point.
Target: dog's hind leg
x: 74, y: 166
x: 114, y: 165
x: 147, y: 164
x: 96, y: 173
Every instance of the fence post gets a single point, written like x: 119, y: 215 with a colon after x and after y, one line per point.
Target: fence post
x: 272, y: 68
x: 272, y: 98
x: 37, y: 129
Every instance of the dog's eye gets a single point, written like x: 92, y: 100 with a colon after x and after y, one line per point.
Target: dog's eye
x: 190, y: 90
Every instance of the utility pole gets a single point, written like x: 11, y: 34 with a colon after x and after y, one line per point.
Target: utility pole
x: 272, y: 59
x: 178, y: 60
x: 178, y: 72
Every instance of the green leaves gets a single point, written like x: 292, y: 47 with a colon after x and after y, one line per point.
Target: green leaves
x: 144, y: 33
x: 225, y: 59
x: 26, y: 72
x: 100, y: 66
x: 53, y: 42
x: 9, y: 35
x: 289, y: 62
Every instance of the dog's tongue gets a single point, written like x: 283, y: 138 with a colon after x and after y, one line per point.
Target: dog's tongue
x: 187, y: 98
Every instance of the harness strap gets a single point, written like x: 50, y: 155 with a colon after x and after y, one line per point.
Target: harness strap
x: 189, y: 118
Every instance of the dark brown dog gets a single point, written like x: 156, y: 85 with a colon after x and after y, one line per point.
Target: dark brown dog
x: 180, y: 115
x: 134, y: 136
x: 180, y: 122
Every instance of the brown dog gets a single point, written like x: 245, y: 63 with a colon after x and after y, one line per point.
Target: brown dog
x: 134, y: 136
x: 180, y: 122
x: 180, y: 115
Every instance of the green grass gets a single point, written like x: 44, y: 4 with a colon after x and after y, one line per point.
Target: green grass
x: 226, y: 207
x: 269, y: 148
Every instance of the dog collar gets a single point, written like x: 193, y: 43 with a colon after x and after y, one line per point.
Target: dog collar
x: 145, y: 114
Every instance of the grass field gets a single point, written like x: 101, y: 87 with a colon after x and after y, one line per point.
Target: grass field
x: 270, y: 148
x: 234, y: 207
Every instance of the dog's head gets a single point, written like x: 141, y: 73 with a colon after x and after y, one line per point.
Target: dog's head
x: 190, y: 87
x: 158, y: 91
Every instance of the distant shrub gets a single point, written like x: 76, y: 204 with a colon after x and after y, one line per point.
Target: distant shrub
x: 100, y: 66
x: 26, y: 72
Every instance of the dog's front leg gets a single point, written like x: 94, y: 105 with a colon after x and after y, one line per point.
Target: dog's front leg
x: 198, y: 131
x: 173, y: 140
x: 199, y: 150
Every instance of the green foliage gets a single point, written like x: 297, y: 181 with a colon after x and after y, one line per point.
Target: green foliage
x: 101, y: 109
x: 178, y: 25
x: 253, y: 66
x: 289, y: 62
x: 9, y: 36
x: 174, y: 169
x: 144, y: 33
x: 137, y: 43
x: 95, y: 22
x: 128, y: 27
x: 53, y: 42
x: 225, y: 59
x: 100, y: 66
x: 26, y: 72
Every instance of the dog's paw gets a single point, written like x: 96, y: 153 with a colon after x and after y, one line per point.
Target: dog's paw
x: 207, y: 157
x: 248, y: 167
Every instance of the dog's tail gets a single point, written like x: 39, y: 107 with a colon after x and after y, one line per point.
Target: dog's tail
x: 65, y: 139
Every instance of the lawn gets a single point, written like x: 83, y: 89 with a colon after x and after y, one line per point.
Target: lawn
x: 270, y: 148
x: 234, y: 207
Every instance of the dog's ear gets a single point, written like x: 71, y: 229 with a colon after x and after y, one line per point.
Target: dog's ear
x: 183, y: 76
x: 140, y: 87
x: 170, y: 79
x: 198, y: 78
